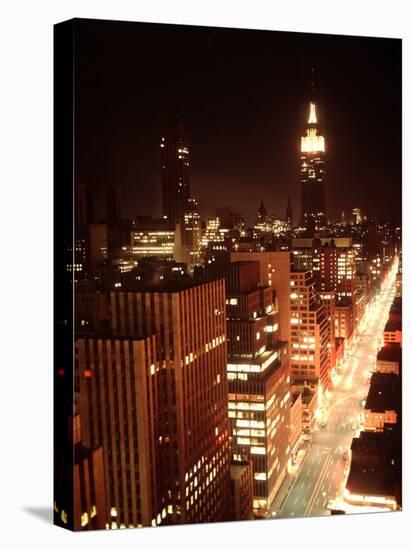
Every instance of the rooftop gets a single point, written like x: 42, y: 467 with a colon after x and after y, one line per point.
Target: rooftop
x: 395, y: 312
x: 390, y: 352
x: 384, y: 393
x: 373, y: 442
x: 238, y: 469
x: 393, y: 326
x: 338, y: 242
x: 167, y: 285
x: 374, y: 481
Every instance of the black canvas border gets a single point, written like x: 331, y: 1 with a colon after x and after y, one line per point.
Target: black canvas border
x: 63, y: 285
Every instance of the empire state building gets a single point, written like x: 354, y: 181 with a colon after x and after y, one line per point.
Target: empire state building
x: 312, y: 173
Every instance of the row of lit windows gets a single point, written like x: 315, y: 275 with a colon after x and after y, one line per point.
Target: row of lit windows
x: 249, y: 432
x: 244, y: 406
x: 306, y: 358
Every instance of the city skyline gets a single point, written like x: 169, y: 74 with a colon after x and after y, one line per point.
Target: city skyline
x: 230, y: 360
x: 243, y: 120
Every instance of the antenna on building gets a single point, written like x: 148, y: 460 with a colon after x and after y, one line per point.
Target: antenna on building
x: 312, y: 83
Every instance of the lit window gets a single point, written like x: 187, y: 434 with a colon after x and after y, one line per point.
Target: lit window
x: 258, y: 450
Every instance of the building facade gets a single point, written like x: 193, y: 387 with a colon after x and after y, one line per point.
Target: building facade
x: 241, y: 491
x: 117, y: 402
x: 174, y: 156
x: 309, y: 333
x: 188, y: 320
x: 258, y: 379
x: 312, y: 173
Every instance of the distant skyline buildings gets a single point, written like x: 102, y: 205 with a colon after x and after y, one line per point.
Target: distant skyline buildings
x: 259, y: 146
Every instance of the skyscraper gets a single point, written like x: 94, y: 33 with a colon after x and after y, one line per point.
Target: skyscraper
x: 289, y: 215
x: 84, y: 204
x: 313, y: 173
x: 309, y: 333
x: 192, y: 235
x: 261, y: 214
x: 343, y: 221
x: 357, y: 216
x: 178, y: 205
x: 174, y: 154
x: 118, y: 393
x: 113, y: 206
x: 258, y: 379
x: 192, y: 443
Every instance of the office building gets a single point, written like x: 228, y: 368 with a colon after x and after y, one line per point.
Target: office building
x: 312, y: 173
x: 357, y: 216
x: 302, y: 318
x: 383, y: 402
x: 84, y: 204
x: 309, y: 333
x: 89, y: 485
x: 289, y: 216
x: 332, y: 261
x: 118, y: 397
x: 296, y: 417
x: 328, y: 300
x: 151, y: 239
x: 191, y: 235
x: 97, y: 246
x: 375, y: 472
x: 344, y: 319
x: 392, y: 333
x: 229, y: 219
x: 258, y: 379
x: 274, y: 271
x: 241, y: 491
x: 389, y: 359
x: 113, y: 206
x: 174, y: 153
x: 188, y: 320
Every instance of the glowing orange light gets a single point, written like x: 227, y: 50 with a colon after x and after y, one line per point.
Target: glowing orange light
x: 312, y: 114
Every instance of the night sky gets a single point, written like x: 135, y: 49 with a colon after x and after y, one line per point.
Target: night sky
x: 243, y: 97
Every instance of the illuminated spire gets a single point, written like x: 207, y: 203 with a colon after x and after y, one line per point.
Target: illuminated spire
x: 312, y: 114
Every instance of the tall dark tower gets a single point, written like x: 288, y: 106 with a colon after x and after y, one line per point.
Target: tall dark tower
x: 261, y: 213
x: 175, y: 170
x: 289, y: 215
x: 84, y: 208
x: 113, y: 206
x: 343, y: 221
x: 312, y: 173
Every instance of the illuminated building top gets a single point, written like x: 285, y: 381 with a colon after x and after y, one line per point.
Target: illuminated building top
x: 312, y: 114
x: 312, y: 141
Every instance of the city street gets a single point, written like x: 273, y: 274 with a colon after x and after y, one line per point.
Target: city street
x: 322, y: 476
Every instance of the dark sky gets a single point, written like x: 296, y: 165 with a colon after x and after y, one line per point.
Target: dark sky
x: 243, y: 96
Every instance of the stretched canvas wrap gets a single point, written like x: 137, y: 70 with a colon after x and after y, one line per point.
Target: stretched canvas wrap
x: 228, y: 275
